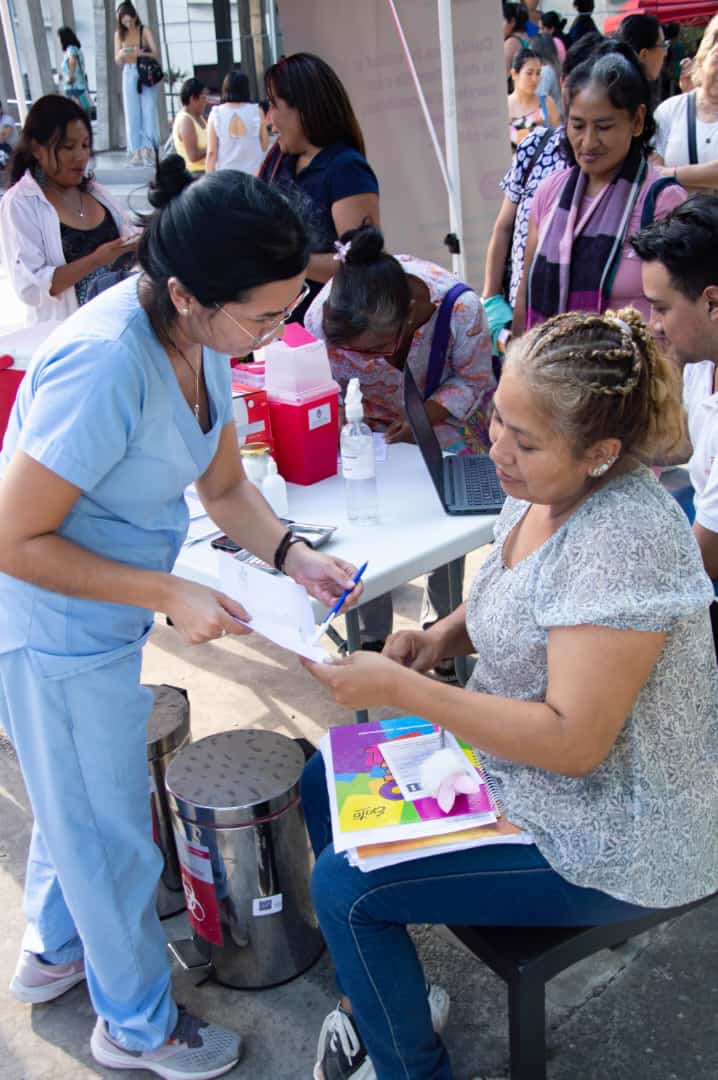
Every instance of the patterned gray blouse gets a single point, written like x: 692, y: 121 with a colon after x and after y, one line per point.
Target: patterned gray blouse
x: 643, y: 826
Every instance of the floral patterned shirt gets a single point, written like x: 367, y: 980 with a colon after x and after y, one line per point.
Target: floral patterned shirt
x: 468, y: 381
x: 520, y: 190
x: 643, y: 825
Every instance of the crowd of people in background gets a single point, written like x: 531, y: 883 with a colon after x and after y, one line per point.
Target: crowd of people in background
x: 591, y: 617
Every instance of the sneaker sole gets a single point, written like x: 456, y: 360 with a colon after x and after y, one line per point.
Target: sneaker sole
x: 39, y: 995
x: 119, y: 1060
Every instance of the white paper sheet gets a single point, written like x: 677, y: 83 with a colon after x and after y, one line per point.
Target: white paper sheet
x: 406, y: 756
x: 280, y: 609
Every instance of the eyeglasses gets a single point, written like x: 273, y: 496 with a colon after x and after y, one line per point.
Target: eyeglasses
x: 382, y: 350
x: 260, y: 339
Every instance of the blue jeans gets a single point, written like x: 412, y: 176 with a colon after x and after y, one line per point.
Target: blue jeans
x: 364, y: 919
x: 141, y: 123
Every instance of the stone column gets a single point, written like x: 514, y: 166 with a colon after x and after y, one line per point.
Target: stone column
x: 32, y: 42
x: 62, y: 13
x: 110, y: 116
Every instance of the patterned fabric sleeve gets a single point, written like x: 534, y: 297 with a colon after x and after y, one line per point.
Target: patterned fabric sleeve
x: 624, y: 565
x: 468, y: 372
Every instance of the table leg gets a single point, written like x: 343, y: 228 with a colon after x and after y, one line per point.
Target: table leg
x: 456, y: 589
x: 354, y: 643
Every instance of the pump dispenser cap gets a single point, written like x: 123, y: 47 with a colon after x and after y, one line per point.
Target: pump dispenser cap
x: 353, y: 407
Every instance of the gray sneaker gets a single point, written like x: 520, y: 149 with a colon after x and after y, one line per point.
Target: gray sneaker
x: 36, y: 982
x: 196, y: 1050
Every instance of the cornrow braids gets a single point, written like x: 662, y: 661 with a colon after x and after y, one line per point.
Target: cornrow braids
x: 602, y: 376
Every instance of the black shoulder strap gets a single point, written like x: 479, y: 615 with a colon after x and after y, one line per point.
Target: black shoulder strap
x: 692, y: 121
x: 648, y: 213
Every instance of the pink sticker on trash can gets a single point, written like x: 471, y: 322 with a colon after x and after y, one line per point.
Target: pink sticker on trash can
x: 198, y: 882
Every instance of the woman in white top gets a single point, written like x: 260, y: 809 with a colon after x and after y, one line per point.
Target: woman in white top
x: 237, y: 136
x: 58, y: 229
x: 696, y: 113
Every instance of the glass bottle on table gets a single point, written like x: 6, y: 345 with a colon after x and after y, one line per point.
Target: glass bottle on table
x: 358, y: 463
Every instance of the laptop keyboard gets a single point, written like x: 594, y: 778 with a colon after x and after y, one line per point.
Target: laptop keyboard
x: 475, y: 482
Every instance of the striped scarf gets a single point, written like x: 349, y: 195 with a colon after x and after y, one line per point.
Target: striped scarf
x: 577, y: 256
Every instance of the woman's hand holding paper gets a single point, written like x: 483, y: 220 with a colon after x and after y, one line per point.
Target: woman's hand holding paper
x: 325, y: 577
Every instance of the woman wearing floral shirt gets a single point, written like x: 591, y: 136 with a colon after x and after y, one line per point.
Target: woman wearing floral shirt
x: 377, y: 316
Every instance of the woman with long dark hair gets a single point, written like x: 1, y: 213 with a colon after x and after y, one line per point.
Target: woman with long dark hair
x: 133, y: 40
x: 59, y: 229
x: 318, y: 159
x: 237, y: 136
x: 128, y: 403
x: 74, y: 78
x: 578, y: 253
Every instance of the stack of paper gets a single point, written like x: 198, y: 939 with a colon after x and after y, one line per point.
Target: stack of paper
x: 380, y: 813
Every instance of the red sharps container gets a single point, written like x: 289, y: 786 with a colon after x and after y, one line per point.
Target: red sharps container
x: 303, y: 406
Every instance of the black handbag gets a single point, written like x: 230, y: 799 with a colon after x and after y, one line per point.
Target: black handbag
x: 149, y: 71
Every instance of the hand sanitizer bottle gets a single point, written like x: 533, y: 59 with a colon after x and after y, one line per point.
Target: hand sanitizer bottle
x: 274, y: 489
x: 358, y: 466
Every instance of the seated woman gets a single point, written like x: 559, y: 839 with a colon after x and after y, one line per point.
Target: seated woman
x: 318, y: 160
x: 578, y: 254
x: 379, y: 315
x: 59, y: 230
x: 594, y: 694
x: 189, y: 130
x: 527, y: 108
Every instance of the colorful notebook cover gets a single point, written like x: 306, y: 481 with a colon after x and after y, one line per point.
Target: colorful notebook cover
x: 367, y: 806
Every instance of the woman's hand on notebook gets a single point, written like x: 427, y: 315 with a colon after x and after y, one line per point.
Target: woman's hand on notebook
x: 399, y: 431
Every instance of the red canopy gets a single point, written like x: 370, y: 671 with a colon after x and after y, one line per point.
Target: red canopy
x: 690, y: 12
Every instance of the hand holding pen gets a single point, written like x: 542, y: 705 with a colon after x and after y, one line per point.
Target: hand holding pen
x: 321, y: 629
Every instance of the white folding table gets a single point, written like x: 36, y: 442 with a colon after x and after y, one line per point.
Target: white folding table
x: 414, y: 534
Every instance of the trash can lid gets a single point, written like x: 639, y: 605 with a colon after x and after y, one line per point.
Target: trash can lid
x: 235, y: 778
x: 168, y: 725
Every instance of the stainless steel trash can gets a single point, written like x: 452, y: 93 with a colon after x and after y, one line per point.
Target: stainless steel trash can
x: 245, y: 858
x: 168, y: 730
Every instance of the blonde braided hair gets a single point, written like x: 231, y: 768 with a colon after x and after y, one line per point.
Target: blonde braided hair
x: 603, y: 376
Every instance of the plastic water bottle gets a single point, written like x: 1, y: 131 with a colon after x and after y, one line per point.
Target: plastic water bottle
x: 358, y: 465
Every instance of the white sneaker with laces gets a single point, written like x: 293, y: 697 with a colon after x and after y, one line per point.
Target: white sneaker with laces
x: 341, y: 1054
x: 36, y: 982
x: 196, y: 1050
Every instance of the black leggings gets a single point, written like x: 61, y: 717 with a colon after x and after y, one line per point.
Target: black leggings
x: 714, y: 623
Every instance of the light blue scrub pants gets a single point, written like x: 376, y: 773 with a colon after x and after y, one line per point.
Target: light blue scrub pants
x: 141, y: 124
x: 79, y: 730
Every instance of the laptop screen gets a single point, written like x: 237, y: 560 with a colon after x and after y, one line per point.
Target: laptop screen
x: 423, y: 431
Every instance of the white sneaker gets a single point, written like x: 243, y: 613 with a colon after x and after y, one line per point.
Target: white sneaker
x: 135, y: 159
x: 341, y: 1054
x: 196, y: 1050
x: 36, y: 982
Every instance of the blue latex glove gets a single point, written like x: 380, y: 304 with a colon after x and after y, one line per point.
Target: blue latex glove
x: 499, y: 315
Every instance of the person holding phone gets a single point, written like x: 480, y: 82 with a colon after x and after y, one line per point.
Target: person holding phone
x: 59, y: 230
x: 124, y: 406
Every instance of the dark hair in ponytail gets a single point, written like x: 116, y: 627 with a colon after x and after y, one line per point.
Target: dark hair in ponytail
x: 370, y: 289
x: 615, y: 66
x: 221, y: 236
x: 46, y: 124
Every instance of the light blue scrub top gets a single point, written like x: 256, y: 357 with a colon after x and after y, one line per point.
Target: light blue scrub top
x: 100, y: 406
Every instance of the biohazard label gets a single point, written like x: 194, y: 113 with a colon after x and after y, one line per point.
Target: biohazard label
x: 198, y: 882
x: 319, y: 416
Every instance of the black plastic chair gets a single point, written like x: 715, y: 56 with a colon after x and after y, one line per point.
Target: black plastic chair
x: 527, y: 957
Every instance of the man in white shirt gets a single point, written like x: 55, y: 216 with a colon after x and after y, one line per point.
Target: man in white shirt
x: 680, y: 278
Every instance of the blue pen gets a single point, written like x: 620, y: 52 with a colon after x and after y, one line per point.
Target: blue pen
x: 339, y: 604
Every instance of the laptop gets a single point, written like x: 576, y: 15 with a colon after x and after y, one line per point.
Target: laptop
x: 465, y: 483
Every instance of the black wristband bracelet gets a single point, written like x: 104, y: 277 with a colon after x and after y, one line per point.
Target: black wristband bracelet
x: 280, y: 555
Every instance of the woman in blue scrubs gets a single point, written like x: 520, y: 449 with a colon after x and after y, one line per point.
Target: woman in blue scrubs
x: 127, y: 403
